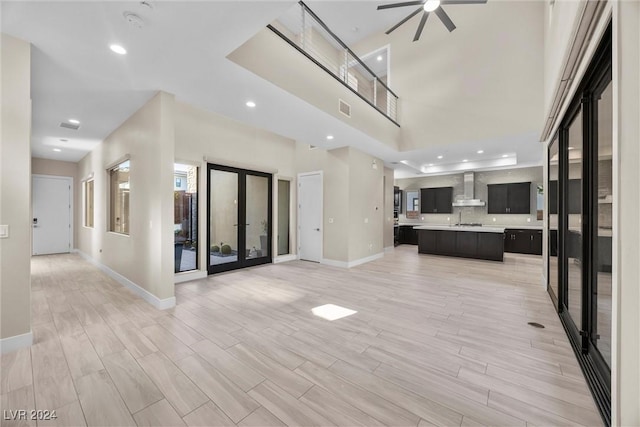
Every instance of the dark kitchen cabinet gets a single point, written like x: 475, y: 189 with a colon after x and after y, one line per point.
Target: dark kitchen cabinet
x: 467, y: 244
x: 397, y: 200
x: 553, y: 197
x: 523, y: 241
x: 436, y: 200
x: 407, y: 235
x: 511, y: 198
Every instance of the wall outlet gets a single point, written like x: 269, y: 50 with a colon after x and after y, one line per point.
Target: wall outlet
x: 330, y: 220
x: 366, y: 220
x: 422, y: 218
x: 528, y: 219
x: 370, y: 247
x: 494, y: 220
x: 4, y: 231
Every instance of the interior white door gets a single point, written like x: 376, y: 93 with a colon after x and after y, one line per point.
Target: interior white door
x: 51, y: 204
x: 310, y: 216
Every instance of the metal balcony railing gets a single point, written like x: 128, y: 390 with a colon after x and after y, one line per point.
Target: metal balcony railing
x: 302, y: 29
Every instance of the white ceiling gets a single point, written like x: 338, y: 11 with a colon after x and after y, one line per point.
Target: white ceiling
x: 182, y: 49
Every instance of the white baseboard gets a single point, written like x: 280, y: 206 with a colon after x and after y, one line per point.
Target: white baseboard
x: 188, y: 276
x: 285, y: 258
x: 334, y: 263
x: 16, y: 342
x: 344, y: 264
x: 388, y: 249
x: 160, y: 304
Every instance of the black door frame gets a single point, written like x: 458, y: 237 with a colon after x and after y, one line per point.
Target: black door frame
x: 242, y: 260
x: 582, y: 332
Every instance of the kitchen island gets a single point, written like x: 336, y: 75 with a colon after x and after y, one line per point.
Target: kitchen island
x: 462, y: 241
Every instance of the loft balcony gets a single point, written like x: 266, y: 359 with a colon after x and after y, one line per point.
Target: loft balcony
x: 308, y: 34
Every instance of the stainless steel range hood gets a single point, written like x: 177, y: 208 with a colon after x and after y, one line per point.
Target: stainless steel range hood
x: 468, y: 198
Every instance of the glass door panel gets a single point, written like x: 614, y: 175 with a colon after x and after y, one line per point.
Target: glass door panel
x: 574, y: 241
x: 603, y: 218
x: 224, y: 220
x: 552, y: 189
x: 257, y: 233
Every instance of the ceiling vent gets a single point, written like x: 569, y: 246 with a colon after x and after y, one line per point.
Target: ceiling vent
x: 69, y: 126
x: 344, y: 108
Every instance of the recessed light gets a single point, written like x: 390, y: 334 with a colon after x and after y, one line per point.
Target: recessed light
x: 57, y: 150
x: 430, y: 164
x: 118, y: 49
x: 379, y: 58
x: 250, y: 104
x: 440, y: 157
x: 505, y: 156
x: 74, y: 121
x: 570, y: 148
x: 465, y: 160
x: 329, y: 137
x: 480, y: 151
x: 63, y: 140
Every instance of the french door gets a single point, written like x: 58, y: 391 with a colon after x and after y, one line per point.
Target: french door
x: 580, y: 224
x: 239, y: 218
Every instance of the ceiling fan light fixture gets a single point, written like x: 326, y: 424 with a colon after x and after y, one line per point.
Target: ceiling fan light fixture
x: 431, y: 5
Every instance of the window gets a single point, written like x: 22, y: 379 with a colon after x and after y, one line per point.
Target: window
x: 88, y: 203
x: 119, y: 198
x: 185, y: 214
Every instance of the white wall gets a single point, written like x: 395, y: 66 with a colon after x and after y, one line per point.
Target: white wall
x: 145, y: 257
x: 15, y: 190
x: 388, y: 208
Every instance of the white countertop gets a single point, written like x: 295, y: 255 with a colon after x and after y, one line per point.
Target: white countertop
x: 482, y: 229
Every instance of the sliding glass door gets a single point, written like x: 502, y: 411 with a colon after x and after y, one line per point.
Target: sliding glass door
x: 239, y: 230
x: 580, y: 224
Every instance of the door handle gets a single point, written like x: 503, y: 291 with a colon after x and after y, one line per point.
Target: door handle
x: 317, y: 229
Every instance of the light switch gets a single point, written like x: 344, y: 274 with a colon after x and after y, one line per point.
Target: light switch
x: 366, y: 220
x: 4, y: 231
x: 330, y: 220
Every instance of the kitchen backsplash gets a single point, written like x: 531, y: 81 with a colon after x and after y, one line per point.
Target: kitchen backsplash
x: 475, y: 214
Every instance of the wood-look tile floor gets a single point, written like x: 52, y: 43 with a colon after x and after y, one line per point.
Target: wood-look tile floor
x: 435, y: 341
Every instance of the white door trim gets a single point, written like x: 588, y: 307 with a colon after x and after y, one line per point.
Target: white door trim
x: 321, y: 211
x: 71, y: 209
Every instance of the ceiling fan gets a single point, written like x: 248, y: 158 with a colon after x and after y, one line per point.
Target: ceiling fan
x: 427, y: 6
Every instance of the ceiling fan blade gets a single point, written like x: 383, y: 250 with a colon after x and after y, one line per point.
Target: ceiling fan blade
x: 423, y: 21
x: 445, y: 19
x: 411, y: 15
x: 403, y: 4
x: 444, y: 2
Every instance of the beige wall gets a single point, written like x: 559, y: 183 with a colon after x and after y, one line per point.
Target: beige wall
x: 626, y: 252
x: 60, y: 168
x: 366, y: 209
x: 145, y: 257
x: 15, y: 187
x: 481, y: 81
x: 352, y: 192
x: 201, y: 134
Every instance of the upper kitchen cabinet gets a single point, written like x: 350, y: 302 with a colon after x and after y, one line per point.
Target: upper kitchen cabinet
x: 397, y: 199
x: 511, y: 198
x: 436, y: 200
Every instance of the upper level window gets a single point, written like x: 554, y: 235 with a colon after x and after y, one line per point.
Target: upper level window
x: 119, y: 198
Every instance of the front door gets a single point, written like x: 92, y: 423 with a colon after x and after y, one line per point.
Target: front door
x: 239, y: 218
x: 310, y: 216
x: 51, y: 222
